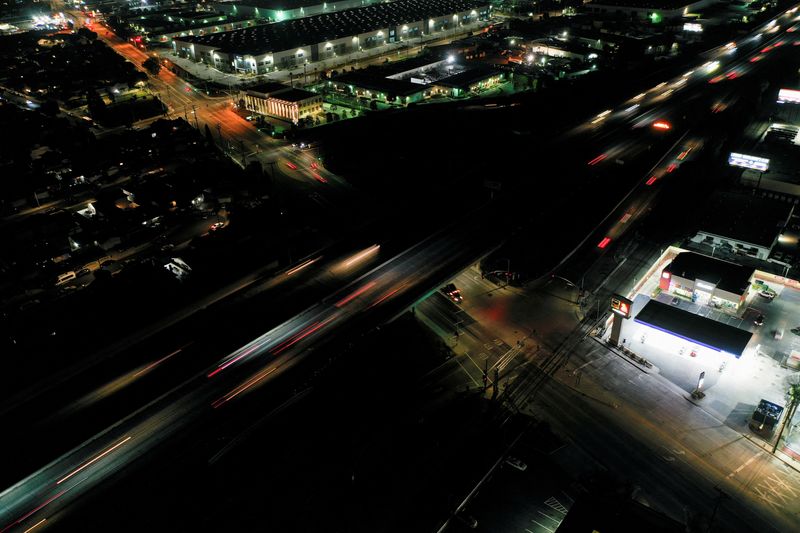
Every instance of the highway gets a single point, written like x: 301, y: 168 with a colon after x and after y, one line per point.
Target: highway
x: 673, y: 107
x: 384, y: 291
x: 36, y: 500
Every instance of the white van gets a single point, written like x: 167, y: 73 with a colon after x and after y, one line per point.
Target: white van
x: 65, y: 277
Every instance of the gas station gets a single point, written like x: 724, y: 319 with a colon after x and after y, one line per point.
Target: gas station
x: 691, y: 320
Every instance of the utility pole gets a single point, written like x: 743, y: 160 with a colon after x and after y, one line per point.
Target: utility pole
x: 194, y: 112
x: 794, y: 399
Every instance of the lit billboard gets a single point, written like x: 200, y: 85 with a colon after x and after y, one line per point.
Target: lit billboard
x: 748, y: 161
x: 693, y: 27
x: 788, y: 96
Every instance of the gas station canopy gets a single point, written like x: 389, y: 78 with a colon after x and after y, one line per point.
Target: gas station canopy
x: 694, y: 328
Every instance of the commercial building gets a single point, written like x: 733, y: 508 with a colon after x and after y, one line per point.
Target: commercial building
x: 296, y: 42
x: 412, y: 80
x: 278, y: 100
x: 372, y: 87
x: 469, y: 81
x: 706, y: 280
x: 726, y: 234
x: 655, y: 10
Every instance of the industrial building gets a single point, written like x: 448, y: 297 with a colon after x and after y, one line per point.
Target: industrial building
x: 296, y: 42
x: 163, y: 27
x: 280, y: 10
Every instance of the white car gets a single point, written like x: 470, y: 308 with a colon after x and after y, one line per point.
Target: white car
x: 516, y: 463
x: 769, y: 295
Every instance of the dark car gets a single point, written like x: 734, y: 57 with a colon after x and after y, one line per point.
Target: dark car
x: 83, y: 272
x: 675, y: 301
x: 759, y: 321
x: 452, y: 292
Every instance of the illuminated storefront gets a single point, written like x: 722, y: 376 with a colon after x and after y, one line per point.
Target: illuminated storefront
x: 707, y: 281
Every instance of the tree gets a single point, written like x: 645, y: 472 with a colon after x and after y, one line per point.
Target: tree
x: 373, y: 105
x: 95, y: 104
x: 87, y: 34
x: 209, y: 138
x: 49, y: 107
x: 152, y: 65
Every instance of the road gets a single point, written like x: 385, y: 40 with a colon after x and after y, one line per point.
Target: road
x: 291, y: 169
x: 614, y: 415
x: 384, y: 291
x: 36, y: 499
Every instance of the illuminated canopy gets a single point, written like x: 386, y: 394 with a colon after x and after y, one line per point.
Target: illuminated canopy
x: 694, y: 328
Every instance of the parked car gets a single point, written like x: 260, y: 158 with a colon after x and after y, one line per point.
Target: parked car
x: 83, y: 272
x: 759, y: 321
x: 65, y: 277
x: 516, y: 463
x: 768, y: 294
x: 675, y: 300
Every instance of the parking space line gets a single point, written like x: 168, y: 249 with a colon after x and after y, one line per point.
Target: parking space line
x: 542, y: 526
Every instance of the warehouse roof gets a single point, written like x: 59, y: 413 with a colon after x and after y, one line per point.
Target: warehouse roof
x: 694, y: 328
x: 464, y: 79
x: 765, y: 217
x: 268, y: 87
x: 294, y: 95
x: 306, y: 31
x: 725, y: 275
x: 380, y: 84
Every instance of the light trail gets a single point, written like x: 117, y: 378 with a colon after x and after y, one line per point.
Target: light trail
x: 85, y: 465
x: 347, y: 299
x: 243, y: 387
x: 302, y: 265
x: 154, y: 364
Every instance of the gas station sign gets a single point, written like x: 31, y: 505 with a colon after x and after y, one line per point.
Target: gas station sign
x: 621, y: 306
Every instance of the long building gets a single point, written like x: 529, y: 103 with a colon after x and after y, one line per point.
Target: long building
x: 278, y: 10
x: 292, y: 43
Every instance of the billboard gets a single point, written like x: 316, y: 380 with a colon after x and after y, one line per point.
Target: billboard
x: 748, y: 161
x: 693, y: 27
x: 621, y: 305
x: 789, y: 96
